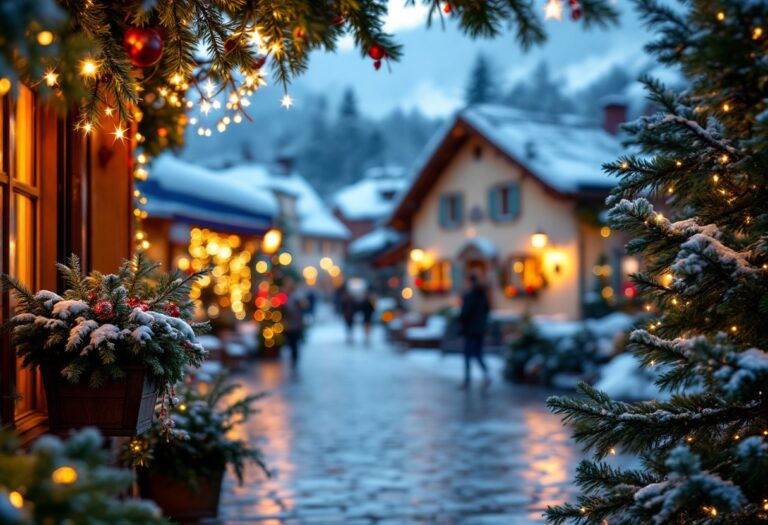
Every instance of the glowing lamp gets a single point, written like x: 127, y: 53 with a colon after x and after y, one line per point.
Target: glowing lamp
x: 539, y: 240
x: 64, y: 475
x: 271, y: 241
x: 417, y: 255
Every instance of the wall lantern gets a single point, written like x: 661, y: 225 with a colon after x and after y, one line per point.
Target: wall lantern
x: 539, y: 240
x: 271, y: 241
x: 417, y: 255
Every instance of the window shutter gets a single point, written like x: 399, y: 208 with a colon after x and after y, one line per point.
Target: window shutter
x: 443, y: 211
x: 457, y: 276
x: 514, y: 200
x: 459, y: 210
x: 493, y: 203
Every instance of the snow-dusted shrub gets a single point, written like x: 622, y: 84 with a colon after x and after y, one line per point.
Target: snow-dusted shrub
x: 103, y: 323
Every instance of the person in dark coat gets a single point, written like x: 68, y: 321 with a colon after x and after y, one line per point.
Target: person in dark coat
x: 473, y: 320
x: 347, y: 307
x: 367, y: 308
x: 293, y: 320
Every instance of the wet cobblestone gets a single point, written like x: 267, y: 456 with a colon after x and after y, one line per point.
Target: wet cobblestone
x: 373, y: 436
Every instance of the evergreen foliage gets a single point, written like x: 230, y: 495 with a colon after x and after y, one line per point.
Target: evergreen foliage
x: 104, y: 322
x: 67, y: 482
x: 201, y: 442
x: 481, y: 88
x: 702, y: 160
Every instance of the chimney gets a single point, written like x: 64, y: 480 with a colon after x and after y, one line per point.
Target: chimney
x: 614, y: 115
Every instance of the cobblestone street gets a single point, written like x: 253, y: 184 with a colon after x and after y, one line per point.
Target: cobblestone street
x: 364, y: 435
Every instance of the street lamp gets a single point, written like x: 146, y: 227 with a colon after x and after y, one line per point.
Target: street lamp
x: 539, y: 240
x: 271, y: 241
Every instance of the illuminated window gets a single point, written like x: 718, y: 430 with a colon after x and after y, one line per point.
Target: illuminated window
x: 438, y: 277
x: 523, y: 276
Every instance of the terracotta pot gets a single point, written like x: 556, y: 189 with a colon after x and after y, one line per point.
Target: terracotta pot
x: 122, y: 407
x: 178, y: 501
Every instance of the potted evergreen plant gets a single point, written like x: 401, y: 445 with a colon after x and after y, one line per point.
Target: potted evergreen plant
x: 109, y: 345
x: 182, y: 468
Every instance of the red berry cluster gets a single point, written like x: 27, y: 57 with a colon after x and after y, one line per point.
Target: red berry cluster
x: 136, y: 302
x: 576, y: 10
x: 377, y: 53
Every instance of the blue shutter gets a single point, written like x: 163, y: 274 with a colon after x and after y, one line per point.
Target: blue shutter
x: 514, y: 200
x: 457, y: 276
x: 443, y: 211
x: 459, y: 210
x: 493, y: 203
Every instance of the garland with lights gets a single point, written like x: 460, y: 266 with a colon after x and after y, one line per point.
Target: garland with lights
x: 704, y: 450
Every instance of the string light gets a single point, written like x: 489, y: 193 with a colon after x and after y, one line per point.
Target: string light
x: 64, y: 475
x: 5, y: 86
x: 757, y: 33
x: 720, y: 16
x: 51, y: 78
x: 286, y: 101
x: 88, y: 68
x: 44, y: 38
x: 553, y: 10
x: 119, y: 133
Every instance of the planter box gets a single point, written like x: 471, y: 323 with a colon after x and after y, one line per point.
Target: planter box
x: 179, y: 502
x: 123, y: 407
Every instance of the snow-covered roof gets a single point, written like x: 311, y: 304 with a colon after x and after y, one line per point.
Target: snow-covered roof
x: 315, y: 219
x: 372, y: 197
x: 564, y: 151
x: 374, y: 242
x: 182, y: 191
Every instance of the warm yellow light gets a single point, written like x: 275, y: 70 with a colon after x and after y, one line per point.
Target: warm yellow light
x: 44, y: 38
x: 553, y: 10
x: 142, y: 158
x: 407, y: 293
x: 539, y: 240
x: 285, y: 258
x: 182, y: 264
x: 518, y: 267
x: 271, y: 241
x: 607, y: 292
x: 51, y: 78
x: 64, y: 475
x: 726, y: 107
x: 334, y: 271
x: 286, y: 101
x: 667, y: 279
x: 310, y: 273
x: 262, y: 267
x: 417, y: 255
x: 16, y: 499
x: 177, y: 79
x: 326, y: 263
x: 119, y: 133
x: 88, y: 68
x: 720, y: 16
x: 605, y: 232
x: 5, y: 86
x: 757, y: 33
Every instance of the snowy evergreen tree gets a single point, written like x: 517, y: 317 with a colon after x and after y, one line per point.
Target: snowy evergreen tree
x: 481, y: 87
x: 702, y: 160
x: 540, y: 93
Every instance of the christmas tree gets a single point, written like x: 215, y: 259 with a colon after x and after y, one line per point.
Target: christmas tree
x: 701, y: 160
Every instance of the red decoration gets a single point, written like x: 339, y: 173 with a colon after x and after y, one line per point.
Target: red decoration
x: 104, y: 310
x: 376, y: 52
x: 529, y: 290
x: 259, y: 62
x: 576, y: 10
x: 92, y: 295
x: 418, y: 282
x: 338, y: 21
x: 173, y: 310
x: 135, y: 302
x: 447, y: 8
x: 230, y: 44
x: 143, y: 45
x: 377, y: 65
x: 299, y: 32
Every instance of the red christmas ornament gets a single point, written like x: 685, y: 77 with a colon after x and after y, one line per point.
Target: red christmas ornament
x: 418, y: 282
x: 529, y: 290
x: 576, y: 10
x: 143, y: 45
x: 376, y: 52
x: 377, y: 65
x: 135, y: 302
x: 299, y: 32
x: 173, y: 310
x: 92, y: 295
x: 447, y: 8
x: 230, y: 44
x: 104, y: 310
x: 338, y: 20
x: 259, y: 62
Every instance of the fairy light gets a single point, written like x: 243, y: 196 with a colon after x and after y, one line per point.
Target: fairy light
x: 237, y: 119
x: 5, y: 86
x: 119, y: 133
x: 726, y: 107
x: 205, y: 107
x: 286, y: 101
x: 64, y: 475
x: 757, y: 33
x: 624, y: 165
x: 88, y: 68
x: 51, y: 78
x: 177, y: 79
x: 720, y: 16
x: 44, y: 38
x: 553, y: 10
x: 715, y: 178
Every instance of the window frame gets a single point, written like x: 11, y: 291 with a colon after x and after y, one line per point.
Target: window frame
x: 496, y: 202
x: 445, y: 203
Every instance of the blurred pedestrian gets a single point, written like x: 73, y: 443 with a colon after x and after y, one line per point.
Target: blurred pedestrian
x: 367, y: 309
x: 473, y: 321
x: 347, y: 308
x: 293, y: 320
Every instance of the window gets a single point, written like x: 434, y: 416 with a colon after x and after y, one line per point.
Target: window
x: 439, y: 278
x: 523, y: 276
x: 451, y: 210
x: 306, y: 246
x: 504, y: 202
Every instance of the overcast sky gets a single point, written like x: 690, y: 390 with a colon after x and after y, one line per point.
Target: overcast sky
x: 432, y: 74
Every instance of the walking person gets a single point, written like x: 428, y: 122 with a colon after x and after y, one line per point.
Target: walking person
x: 293, y: 320
x: 367, y: 308
x: 473, y: 320
x: 347, y: 307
